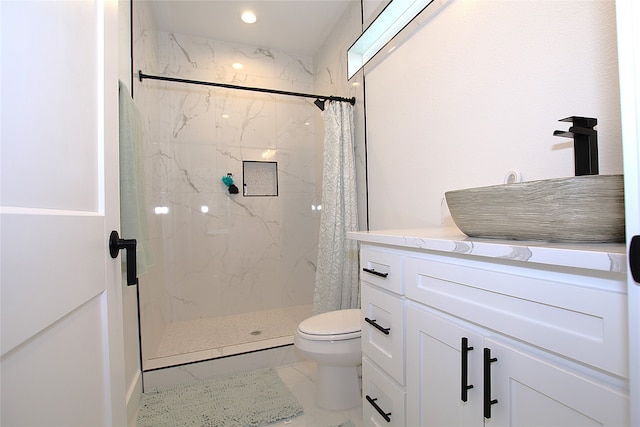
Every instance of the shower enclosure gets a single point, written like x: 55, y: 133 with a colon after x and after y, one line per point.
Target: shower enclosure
x: 232, y: 272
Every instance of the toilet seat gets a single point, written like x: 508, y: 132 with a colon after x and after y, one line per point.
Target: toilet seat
x: 332, y: 326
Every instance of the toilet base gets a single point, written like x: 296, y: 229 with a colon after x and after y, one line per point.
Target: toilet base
x: 338, y: 387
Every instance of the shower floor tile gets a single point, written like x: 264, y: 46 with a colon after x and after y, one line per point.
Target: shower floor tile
x: 204, y: 339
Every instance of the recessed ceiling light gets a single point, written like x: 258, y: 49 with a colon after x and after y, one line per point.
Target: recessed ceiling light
x: 237, y: 66
x: 248, y: 17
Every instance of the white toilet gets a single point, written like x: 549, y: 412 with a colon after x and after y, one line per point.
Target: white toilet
x: 332, y: 340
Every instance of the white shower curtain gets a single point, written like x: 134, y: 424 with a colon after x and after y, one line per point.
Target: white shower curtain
x: 337, y: 268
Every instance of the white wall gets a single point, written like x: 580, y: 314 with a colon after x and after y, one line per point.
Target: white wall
x: 477, y: 91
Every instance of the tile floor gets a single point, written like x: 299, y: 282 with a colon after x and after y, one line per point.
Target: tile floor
x: 298, y: 374
x: 300, y: 378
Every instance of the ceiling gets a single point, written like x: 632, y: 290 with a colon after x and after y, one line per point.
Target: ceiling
x: 297, y: 26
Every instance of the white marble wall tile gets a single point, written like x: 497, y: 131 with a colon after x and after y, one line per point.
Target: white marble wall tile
x: 249, y: 120
x: 192, y: 114
x: 244, y: 253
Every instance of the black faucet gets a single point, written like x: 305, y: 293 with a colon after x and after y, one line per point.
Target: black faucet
x: 585, y: 143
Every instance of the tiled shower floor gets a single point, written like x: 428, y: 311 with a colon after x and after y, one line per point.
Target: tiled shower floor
x: 204, y: 339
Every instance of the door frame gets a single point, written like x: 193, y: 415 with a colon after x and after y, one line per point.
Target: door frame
x: 628, y: 34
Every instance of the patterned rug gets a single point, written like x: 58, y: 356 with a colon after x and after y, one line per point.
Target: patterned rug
x: 255, y: 398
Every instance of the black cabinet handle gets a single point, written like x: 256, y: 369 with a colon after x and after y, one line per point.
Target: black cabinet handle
x: 377, y: 273
x: 384, y: 415
x: 378, y: 327
x: 464, y: 377
x: 488, y: 360
x: 115, y: 244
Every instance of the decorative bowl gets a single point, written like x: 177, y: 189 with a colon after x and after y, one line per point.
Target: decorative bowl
x: 588, y: 208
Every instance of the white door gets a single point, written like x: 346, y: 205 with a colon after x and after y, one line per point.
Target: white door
x: 61, y: 343
x: 628, y: 28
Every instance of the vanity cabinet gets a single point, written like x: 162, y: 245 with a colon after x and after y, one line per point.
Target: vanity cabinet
x: 450, y: 363
x: 491, y: 341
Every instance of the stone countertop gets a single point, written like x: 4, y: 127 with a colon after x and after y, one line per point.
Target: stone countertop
x: 609, y: 257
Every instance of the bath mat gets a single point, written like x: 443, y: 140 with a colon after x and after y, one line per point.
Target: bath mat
x: 255, y: 398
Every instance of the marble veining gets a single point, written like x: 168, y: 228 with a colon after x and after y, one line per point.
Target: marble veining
x: 519, y: 254
x: 610, y: 257
x: 222, y: 253
x: 175, y: 41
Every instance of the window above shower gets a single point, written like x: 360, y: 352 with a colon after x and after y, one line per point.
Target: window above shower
x: 395, y: 22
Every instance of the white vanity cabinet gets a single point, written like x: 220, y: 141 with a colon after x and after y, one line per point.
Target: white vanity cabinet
x: 446, y: 358
x: 491, y: 340
x: 528, y: 345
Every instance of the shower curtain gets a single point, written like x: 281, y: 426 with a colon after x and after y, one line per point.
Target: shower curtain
x: 336, y: 285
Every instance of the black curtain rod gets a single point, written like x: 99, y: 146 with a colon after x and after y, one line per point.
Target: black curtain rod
x: 351, y: 101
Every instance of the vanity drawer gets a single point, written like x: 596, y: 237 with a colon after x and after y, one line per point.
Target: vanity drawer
x: 381, y: 396
x: 382, y: 267
x: 582, y: 317
x: 383, y: 330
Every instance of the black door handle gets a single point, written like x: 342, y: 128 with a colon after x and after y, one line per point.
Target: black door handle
x: 115, y: 244
x: 488, y: 401
x: 464, y: 368
x: 634, y: 258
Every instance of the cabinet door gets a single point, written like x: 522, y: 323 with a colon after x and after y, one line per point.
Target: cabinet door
x: 534, y: 392
x: 435, y: 380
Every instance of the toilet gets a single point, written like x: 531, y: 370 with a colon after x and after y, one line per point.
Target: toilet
x: 332, y: 340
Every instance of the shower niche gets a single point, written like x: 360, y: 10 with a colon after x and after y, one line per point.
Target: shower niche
x: 260, y: 178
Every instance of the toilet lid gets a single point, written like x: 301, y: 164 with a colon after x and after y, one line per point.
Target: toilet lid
x: 337, y: 322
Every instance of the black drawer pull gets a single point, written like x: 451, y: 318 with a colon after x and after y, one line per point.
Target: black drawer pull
x: 379, y: 409
x: 378, y: 327
x: 377, y: 273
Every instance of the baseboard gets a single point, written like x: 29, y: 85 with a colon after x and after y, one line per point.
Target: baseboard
x: 134, y: 394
